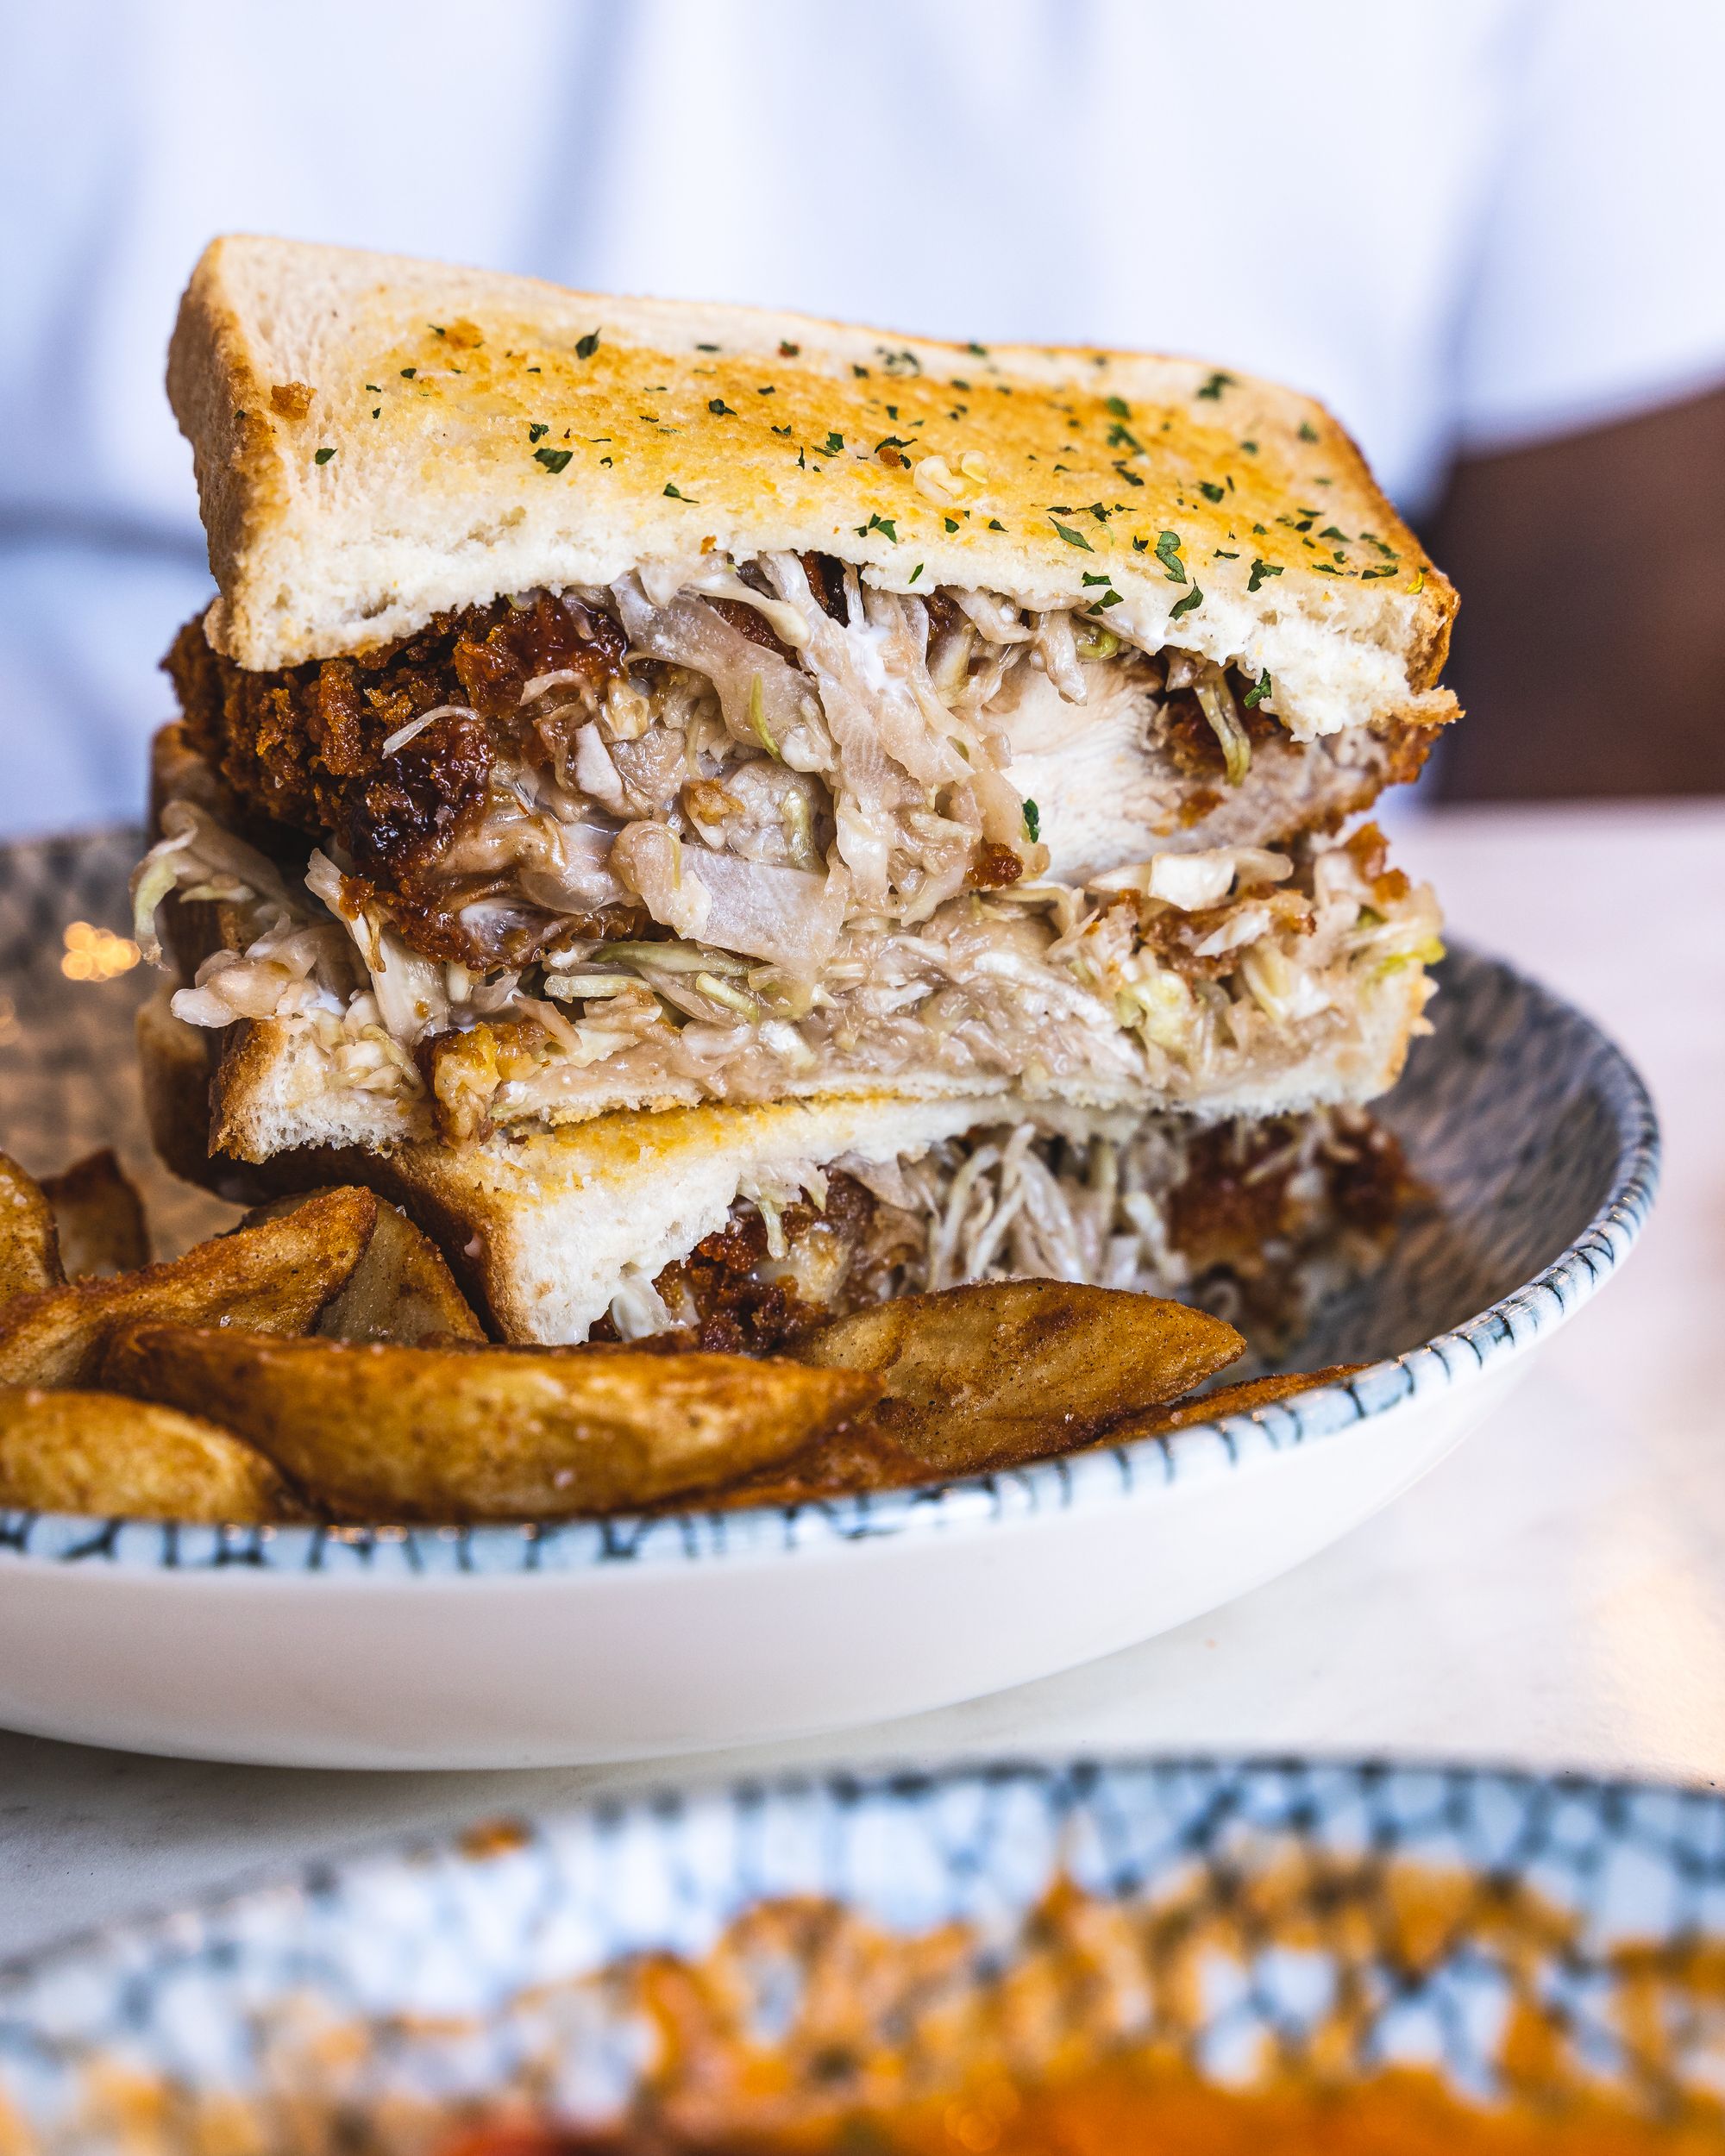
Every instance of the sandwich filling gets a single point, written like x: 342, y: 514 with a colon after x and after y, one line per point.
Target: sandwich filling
x: 740, y: 830
x: 1255, y: 1221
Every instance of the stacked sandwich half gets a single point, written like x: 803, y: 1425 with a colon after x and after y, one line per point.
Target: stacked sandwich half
x: 727, y: 816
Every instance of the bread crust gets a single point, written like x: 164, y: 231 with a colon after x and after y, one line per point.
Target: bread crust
x: 378, y: 439
x: 274, y: 1084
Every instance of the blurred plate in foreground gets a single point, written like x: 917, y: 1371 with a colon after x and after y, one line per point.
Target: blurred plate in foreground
x: 1168, y: 1956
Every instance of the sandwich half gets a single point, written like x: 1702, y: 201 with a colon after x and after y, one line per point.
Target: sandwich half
x: 739, y: 1227
x: 616, y: 706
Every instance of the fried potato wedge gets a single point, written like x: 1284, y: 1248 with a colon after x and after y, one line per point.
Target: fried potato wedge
x: 100, y: 1216
x: 29, y: 1244
x: 1003, y: 1371
x: 276, y: 1277
x: 863, y: 1461
x: 126, y: 1459
x: 400, y: 1290
x: 856, y: 1461
x: 1230, y: 1400
x: 381, y: 1432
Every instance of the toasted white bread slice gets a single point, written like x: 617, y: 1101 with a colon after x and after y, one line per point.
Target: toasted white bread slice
x: 378, y: 439
x: 542, y: 1231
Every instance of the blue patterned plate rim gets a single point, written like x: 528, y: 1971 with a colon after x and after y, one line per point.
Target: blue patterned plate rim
x: 1099, y: 1475
x: 1675, y: 1827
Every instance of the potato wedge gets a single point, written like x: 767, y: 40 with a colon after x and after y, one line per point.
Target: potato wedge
x: 276, y: 1277
x: 400, y: 1290
x: 30, y: 1246
x: 100, y: 1216
x: 382, y: 1432
x: 126, y: 1459
x: 1003, y: 1371
x: 858, y: 1460
x: 1229, y: 1400
x: 863, y: 1461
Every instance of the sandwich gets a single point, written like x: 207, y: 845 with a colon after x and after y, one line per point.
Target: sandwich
x: 739, y: 1227
x: 698, y: 746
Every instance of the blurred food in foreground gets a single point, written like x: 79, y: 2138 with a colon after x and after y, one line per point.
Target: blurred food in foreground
x: 1095, y: 2027
x: 1132, y: 2108
x: 1238, y: 2008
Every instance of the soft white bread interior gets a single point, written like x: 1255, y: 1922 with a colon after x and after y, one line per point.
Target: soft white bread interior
x: 561, y: 1223
x: 376, y: 439
x: 275, y: 1085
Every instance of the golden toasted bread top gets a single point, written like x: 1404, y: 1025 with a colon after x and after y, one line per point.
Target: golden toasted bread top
x: 376, y: 439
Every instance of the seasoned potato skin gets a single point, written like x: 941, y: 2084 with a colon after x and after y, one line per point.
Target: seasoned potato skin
x: 401, y: 1289
x: 384, y: 1432
x: 127, y: 1459
x: 275, y: 1277
x: 986, y: 1375
x: 99, y: 1216
x: 29, y: 1243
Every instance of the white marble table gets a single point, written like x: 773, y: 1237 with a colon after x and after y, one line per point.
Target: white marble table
x: 1554, y: 1595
